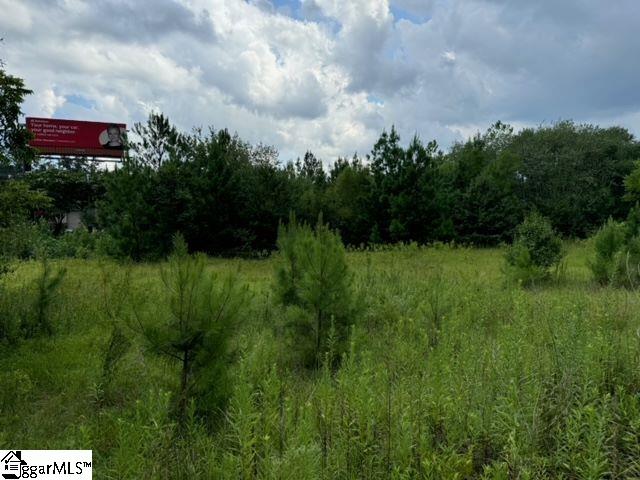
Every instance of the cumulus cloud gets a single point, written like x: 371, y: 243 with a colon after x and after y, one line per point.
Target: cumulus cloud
x: 146, y: 22
x: 328, y: 75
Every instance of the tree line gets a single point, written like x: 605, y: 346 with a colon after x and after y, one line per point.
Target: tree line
x: 226, y: 196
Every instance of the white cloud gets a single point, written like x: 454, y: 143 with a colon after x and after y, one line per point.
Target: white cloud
x: 49, y: 102
x: 328, y: 75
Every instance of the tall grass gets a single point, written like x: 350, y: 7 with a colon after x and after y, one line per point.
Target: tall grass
x: 449, y: 374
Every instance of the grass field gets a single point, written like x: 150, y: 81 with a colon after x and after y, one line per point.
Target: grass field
x: 451, y: 373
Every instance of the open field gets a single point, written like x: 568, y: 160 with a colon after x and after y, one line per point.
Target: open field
x: 450, y: 374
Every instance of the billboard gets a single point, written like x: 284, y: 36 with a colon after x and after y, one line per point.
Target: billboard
x: 72, y: 137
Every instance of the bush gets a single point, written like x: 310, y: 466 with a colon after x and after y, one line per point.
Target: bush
x: 314, y: 283
x: 626, y: 265
x: 79, y: 243
x: 46, y: 284
x: 25, y: 312
x: 535, y: 251
x: 23, y: 240
x: 617, y: 252
x: 10, y: 309
x: 609, y: 240
x: 195, y: 331
x: 116, y: 284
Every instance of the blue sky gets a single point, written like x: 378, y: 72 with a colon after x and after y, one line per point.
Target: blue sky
x: 328, y: 75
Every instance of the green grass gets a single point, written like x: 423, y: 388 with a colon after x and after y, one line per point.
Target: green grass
x: 451, y: 373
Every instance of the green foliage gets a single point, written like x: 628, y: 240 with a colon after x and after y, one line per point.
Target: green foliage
x: 223, y: 195
x: 14, y: 137
x: 26, y: 311
x: 115, y: 284
x: 574, y: 174
x: 535, y: 249
x: 23, y: 240
x: 69, y: 190
x: 617, y: 252
x: 514, y: 384
x: 159, y: 142
x: 18, y: 202
x: 195, y: 330
x: 312, y: 277
x: 289, y: 269
x: 627, y: 264
x: 349, y: 199
x: 23, y: 230
x: 47, y: 284
x: 404, y: 188
x: 607, y: 242
x: 9, y: 320
x: 632, y: 183
x: 485, y: 182
x: 77, y: 244
x: 227, y: 197
x: 311, y: 169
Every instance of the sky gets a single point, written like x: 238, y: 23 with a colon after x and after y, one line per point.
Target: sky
x: 328, y: 75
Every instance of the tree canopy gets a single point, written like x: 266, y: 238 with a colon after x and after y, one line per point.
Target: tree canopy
x: 226, y: 196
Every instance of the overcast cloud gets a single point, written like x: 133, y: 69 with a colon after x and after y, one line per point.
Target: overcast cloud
x: 328, y: 75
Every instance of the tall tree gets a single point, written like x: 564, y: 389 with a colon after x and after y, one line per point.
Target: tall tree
x: 349, y: 201
x: 574, y: 174
x: 486, y: 186
x: 157, y: 141
x: 311, y: 169
x: 404, y: 188
x: 14, y: 136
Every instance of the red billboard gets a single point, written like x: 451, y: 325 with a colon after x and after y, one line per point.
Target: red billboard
x: 71, y: 137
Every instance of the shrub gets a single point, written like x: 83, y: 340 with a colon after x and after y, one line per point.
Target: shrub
x: 23, y: 240
x: 314, y: 283
x: 115, y: 284
x: 609, y: 240
x: 25, y: 312
x: 535, y: 251
x: 46, y: 285
x: 106, y: 245
x: 9, y: 314
x: 626, y: 264
x: 617, y: 252
x: 288, y: 271
x: 77, y: 244
x: 195, y: 331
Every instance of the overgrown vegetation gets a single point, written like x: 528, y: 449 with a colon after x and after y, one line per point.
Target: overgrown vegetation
x: 477, y: 193
x: 426, y: 364
x: 449, y: 373
x: 617, y: 252
x: 26, y: 312
x: 195, y: 331
x: 227, y: 197
x: 313, y: 280
x: 535, y: 252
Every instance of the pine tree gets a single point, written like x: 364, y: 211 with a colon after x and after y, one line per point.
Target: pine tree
x: 312, y: 275
x: 195, y: 332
